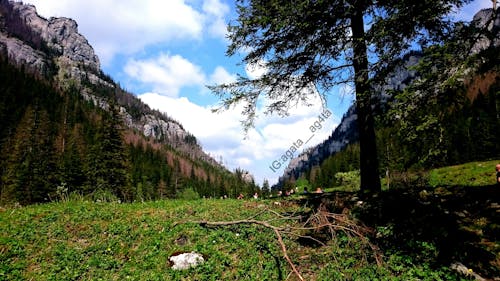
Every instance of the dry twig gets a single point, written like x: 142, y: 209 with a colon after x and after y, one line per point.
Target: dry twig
x: 317, y: 222
x: 265, y: 224
x: 343, y: 222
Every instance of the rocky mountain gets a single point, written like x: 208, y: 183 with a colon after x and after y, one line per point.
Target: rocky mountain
x: 53, y: 48
x: 346, y: 132
x: 490, y: 19
x: 68, y: 128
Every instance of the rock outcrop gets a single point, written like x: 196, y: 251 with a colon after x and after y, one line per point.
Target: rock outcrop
x: 21, y: 54
x: 60, y: 35
x: 53, y: 48
x: 490, y: 19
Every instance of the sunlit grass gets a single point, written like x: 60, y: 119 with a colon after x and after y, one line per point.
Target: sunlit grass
x: 82, y: 240
x: 469, y: 174
x: 109, y: 241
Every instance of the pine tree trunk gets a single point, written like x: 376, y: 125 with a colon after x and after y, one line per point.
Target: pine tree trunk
x: 370, y: 180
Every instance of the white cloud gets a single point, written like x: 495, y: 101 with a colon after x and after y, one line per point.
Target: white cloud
x: 255, y: 71
x: 222, y: 135
x: 166, y: 74
x: 221, y: 76
x: 192, y: 116
x: 216, y: 11
x: 127, y: 27
x: 215, y: 8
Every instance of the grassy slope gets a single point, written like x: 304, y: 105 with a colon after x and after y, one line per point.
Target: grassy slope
x: 80, y: 240
x: 469, y: 174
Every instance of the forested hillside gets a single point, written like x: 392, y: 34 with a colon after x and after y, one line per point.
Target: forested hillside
x: 442, y: 109
x: 67, y: 128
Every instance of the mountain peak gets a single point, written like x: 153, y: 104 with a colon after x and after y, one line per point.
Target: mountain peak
x: 60, y: 35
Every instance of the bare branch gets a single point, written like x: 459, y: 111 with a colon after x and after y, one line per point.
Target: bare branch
x: 283, y: 249
x: 262, y: 223
x: 318, y: 221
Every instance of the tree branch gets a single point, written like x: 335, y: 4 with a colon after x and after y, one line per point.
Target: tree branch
x: 262, y: 223
x: 318, y: 221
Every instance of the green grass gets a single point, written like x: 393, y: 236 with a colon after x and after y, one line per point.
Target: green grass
x: 80, y: 240
x: 469, y: 174
x: 90, y: 241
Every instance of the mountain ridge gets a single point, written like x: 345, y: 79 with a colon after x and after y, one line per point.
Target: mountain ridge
x: 67, y: 55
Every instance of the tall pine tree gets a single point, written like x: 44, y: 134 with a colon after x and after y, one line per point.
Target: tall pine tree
x: 109, y: 162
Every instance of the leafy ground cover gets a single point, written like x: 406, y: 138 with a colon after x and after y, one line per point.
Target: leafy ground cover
x: 109, y: 241
x: 416, y: 234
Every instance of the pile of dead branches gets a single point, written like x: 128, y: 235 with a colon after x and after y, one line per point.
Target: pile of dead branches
x: 320, y: 221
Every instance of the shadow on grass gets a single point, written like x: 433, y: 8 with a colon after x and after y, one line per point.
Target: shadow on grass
x: 439, y: 227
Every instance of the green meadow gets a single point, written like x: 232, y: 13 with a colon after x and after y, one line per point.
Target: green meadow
x: 410, y: 235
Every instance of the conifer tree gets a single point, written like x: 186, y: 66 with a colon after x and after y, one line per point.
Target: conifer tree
x: 109, y: 166
x: 265, y: 188
x: 31, y: 171
x: 309, y: 47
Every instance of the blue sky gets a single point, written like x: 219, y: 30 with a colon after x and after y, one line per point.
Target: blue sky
x: 167, y: 51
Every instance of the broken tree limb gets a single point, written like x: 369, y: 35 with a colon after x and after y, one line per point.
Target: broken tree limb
x: 262, y: 223
x: 317, y: 222
x: 283, y: 249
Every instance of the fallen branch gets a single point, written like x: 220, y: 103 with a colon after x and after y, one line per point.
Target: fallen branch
x: 262, y: 223
x: 333, y: 222
x: 319, y: 221
x: 283, y: 249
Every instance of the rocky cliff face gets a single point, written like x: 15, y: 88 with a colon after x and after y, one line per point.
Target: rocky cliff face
x: 60, y: 34
x: 34, y: 42
x: 54, y: 49
x: 491, y: 37
x: 22, y: 54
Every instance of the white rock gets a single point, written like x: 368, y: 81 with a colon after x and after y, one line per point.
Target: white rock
x: 186, y: 260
